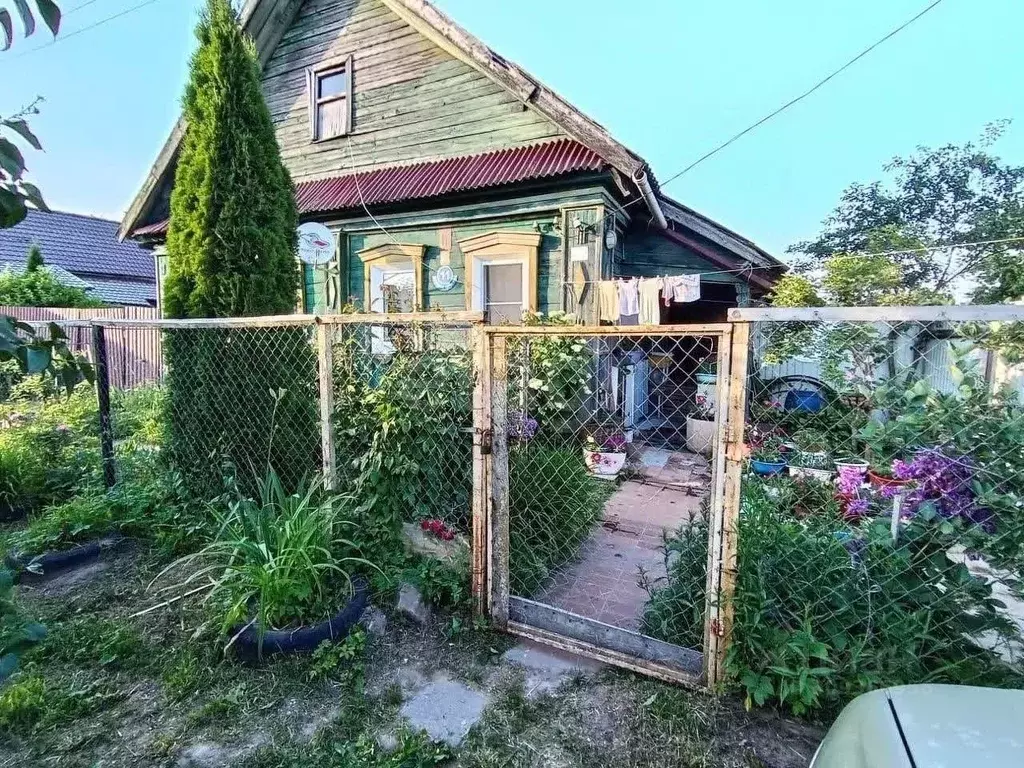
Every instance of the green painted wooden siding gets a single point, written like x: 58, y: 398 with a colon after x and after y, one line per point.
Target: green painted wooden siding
x: 412, y: 100
x: 649, y: 255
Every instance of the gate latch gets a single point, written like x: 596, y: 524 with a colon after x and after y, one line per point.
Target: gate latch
x: 486, y: 441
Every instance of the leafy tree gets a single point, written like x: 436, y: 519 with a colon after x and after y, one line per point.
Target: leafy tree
x: 231, y: 243
x: 16, y: 194
x: 39, y: 288
x: 47, y: 11
x: 947, y: 196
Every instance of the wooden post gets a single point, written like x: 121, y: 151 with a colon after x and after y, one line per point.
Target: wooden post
x: 482, y: 446
x: 100, y: 361
x: 325, y: 356
x: 498, y: 544
x: 723, y: 561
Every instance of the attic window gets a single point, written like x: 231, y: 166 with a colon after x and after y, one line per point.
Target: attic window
x: 330, y: 101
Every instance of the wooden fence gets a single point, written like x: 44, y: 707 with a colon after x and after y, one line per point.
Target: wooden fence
x: 134, y: 353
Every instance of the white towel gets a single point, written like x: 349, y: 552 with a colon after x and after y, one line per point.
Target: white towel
x: 682, y: 289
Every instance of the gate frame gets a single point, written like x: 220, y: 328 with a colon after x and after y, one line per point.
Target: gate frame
x: 491, y: 487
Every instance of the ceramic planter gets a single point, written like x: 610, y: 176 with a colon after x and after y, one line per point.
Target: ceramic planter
x: 700, y: 435
x: 806, y: 473
x: 604, y: 464
x: 859, y: 465
x: 767, y: 468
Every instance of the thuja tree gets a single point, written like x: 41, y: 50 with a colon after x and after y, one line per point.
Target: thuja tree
x: 240, y: 399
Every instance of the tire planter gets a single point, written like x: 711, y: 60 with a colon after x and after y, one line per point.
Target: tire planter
x: 28, y: 567
x: 303, y: 639
x: 807, y: 473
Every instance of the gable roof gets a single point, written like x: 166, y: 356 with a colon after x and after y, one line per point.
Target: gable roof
x: 266, y: 21
x: 83, y: 251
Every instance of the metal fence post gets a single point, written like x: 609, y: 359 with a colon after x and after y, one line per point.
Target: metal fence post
x: 722, y: 561
x: 325, y: 365
x: 101, y: 365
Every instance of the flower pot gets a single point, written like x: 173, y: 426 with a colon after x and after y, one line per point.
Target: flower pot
x: 804, y: 400
x: 700, y: 435
x: 807, y: 473
x: 881, y: 481
x: 858, y: 464
x: 767, y: 468
x: 604, y: 464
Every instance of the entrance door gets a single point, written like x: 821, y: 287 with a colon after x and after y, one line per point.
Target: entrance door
x: 503, y: 293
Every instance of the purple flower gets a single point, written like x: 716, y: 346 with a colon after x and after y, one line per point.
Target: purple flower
x: 521, y: 426
x: 858, y: 508
x: 850, y: 481
x: 946, y: 483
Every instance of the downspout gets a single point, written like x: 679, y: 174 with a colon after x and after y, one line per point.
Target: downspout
x: 647, y: 193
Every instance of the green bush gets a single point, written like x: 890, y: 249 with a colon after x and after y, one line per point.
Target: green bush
x: 553, y: 506
x: 39, y: 288
x: 825, y: 610
x: 279, y: 560
x: 675, y: 610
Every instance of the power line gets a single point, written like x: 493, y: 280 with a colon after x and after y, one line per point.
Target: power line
x: 86, y: 4
x: 951, y: 246
x: 802, y: 96
x: 88, y: 28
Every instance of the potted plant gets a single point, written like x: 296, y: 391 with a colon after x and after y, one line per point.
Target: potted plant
x: 701, y: 427
x: 881, y: 476
x: 852, y: 463
x: 810, y: 464
x: 605, y: 458
x: 766, y: 459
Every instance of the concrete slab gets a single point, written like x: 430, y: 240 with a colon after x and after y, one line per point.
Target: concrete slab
x: 547, y: 668
x: 446, y: 710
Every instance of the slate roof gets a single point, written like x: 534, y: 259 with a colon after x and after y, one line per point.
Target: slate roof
x: 86, y: 247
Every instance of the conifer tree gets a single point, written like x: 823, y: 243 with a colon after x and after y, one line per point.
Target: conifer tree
x: 231, y: 243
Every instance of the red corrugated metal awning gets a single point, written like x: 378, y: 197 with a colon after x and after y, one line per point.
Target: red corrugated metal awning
x: 442, y: 177
x: 437, y: 178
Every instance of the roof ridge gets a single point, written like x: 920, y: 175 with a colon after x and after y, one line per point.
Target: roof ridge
x: 92, y: 216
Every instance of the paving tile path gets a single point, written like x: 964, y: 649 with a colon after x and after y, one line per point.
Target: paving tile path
x: 603, y: 583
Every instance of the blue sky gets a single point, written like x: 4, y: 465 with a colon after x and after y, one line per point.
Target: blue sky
x: 669, y: 78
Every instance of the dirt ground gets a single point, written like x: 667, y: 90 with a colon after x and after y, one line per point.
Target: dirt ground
x: 114, y: 688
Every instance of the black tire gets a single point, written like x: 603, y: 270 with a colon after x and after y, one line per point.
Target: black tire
x: 27, y: 567
x: 304, y: 639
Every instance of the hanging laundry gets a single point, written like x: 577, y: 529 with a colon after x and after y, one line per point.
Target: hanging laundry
x: 608, y: 301
x: 650, y: 305
x: 629, y: 300
x: 682, y: 289
x: 629, y: 319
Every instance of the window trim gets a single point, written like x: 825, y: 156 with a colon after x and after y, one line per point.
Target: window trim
x: 399, y: 257
x: 501, y: 248
x: 314, y: 75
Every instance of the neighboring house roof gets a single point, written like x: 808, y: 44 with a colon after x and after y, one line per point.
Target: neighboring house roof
x: 60, y: 274
x: 434, y: 179
x: 86, y: 249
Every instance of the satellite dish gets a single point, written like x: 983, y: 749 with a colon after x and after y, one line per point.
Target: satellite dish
x: 316, y: 244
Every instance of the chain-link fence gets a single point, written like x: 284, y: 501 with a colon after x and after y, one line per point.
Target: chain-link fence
x: 880, y: 534
x: 612, y: 441
x: 402, y: 419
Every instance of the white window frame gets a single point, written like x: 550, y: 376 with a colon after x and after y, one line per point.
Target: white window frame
x: 480, y: 265
x: 313, y: 77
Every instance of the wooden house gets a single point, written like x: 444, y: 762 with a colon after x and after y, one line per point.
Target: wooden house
x: 454, y: 179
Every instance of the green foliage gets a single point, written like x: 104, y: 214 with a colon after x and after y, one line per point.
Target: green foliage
x: 90, y: 641
x: 39, y: 288
x: 677, y: 603
x: 17, y: 634
x: 42, y: 355
x: 15, y: 192
x: 442, y: 583
x: 401, y: 426
x: 560, y: 369
x: 31, y: 703
x: 276, y: 561
x: 826, y: 610
x: 50, y: 449
x: 240, y: 401
x: 340, y: 661
x: 231, y: 243
x: 553, y: 505
x: 936, y: 197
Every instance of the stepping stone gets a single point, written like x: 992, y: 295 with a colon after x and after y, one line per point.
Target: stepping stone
x: 547, y: 668
x: 446, y: 710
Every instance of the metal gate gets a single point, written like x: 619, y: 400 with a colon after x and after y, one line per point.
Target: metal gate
x: 600, y: 468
